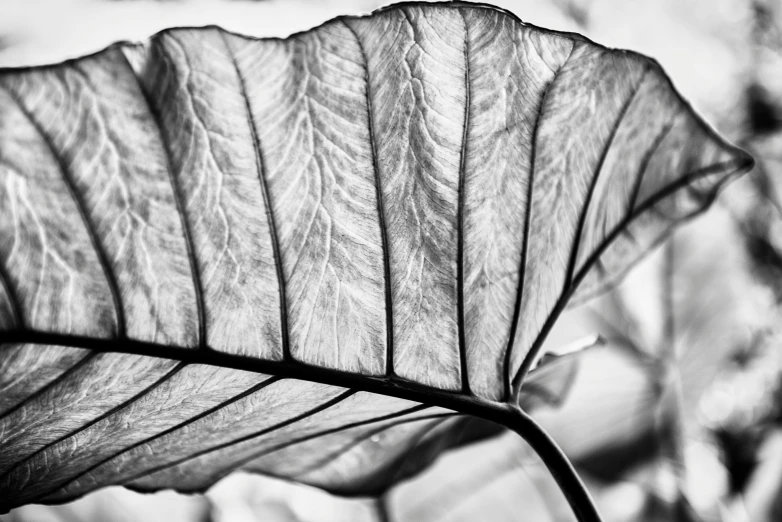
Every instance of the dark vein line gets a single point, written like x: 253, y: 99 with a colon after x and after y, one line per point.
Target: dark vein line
x: 282, y: 476
x: 5, y: 282
x: 51, y: 384
x: 577, y: 239
x: 261, y: 165
x: 81, y: 207
x: 645, y: 163
x: 326, y: 405
x: 529, y: 358
x: 157, y: 119
x: 16, y: 307
x: 588, y: 293
x: 383, y: 509
x: 334, y: 455
x: 396, y: 464
x: 460, y: 213
x: 331, y: 431
x: 338, y: 453
x: 163, y: 433
x: 381, y: 212
x: 99, y: 418
x: 506, y: 378
x: 391, y: 386
x: 728, y: 167
x: 409, y: 21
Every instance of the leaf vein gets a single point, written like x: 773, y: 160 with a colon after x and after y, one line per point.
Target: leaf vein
x: 286, y: 350
x: 508, y: 392
x: 156, y: 119
x: 385, y: 249
x: 148, y: 389
x: 163, y: 433
x: 16, y: 308
x: 323, y: 433
x: 51, y: 384
x: 76, y: 196
x: 321, y: 407
x: 460, y: 213
x: 577, y: 240
x: 327, y: 459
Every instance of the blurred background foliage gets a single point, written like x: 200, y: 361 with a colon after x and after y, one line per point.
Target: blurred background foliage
x: 676, y: 415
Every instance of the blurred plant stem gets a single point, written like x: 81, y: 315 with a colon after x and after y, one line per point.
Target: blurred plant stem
x: 763, y: 497
x: 383, y: 511
x: 672, y: 434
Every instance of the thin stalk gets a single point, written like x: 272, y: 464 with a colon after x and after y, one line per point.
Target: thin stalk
x: 557, y: 463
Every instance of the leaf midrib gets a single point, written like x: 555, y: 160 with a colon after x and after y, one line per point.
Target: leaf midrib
x: 393, y: 386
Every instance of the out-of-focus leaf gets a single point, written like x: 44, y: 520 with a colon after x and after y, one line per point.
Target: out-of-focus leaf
x: 602, y: 418
x: 549, y: 383
x: 242, y: 497
x: 222, y: 253
x: 713, y: 322
x: 703, y: 299
x: 119, y: 505
x: 762, y: 500
x: 684, y: 318
x: 498, y: 480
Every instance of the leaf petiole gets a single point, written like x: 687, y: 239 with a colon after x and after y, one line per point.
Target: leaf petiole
x: 557, y: 463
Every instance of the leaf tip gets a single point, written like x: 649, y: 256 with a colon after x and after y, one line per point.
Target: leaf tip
x: 744, y: 160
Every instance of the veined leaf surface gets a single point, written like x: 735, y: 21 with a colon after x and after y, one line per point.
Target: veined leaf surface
x: 219, y: 252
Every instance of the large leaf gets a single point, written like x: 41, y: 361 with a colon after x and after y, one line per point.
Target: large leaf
x: 218, y: 252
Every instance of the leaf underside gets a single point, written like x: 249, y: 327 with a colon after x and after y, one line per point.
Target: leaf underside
x: 214, y: 248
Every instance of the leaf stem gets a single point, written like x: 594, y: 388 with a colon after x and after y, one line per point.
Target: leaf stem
x: 557, y: 463
x: 381, y: 507
x: 671, y: 426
